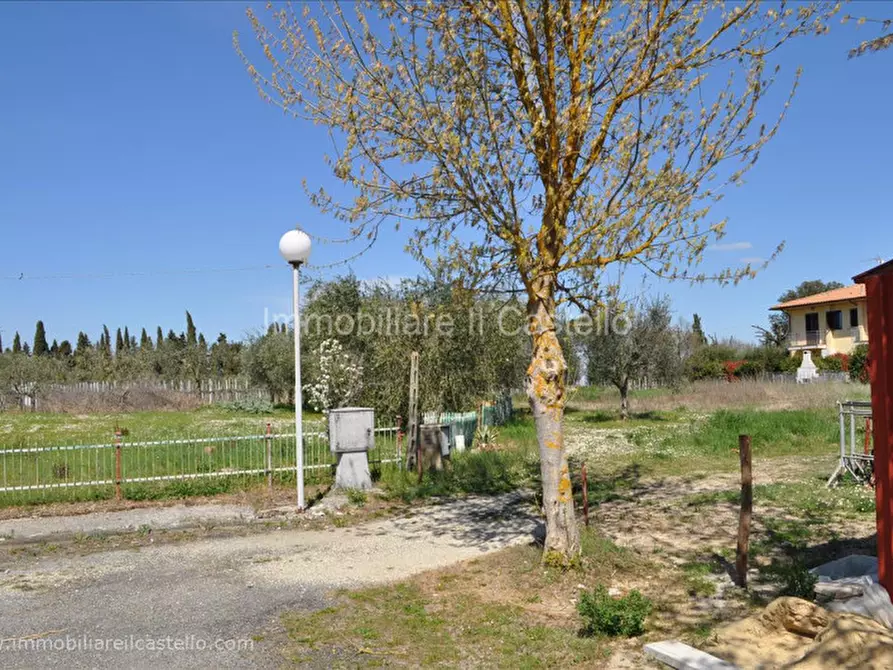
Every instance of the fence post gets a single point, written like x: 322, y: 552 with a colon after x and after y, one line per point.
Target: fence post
x: 118, y: 469
x: 268, y: 458
x: 746, y: 510
x: 585, y: 495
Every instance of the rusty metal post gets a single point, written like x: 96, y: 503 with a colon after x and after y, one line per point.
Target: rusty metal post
x: 118, y: 468
x: 418, y: 456
x: 268, y: 456
x: 399, y: 441
x: 746, y: 510
x: 585, y: 495
x: 867, y: 435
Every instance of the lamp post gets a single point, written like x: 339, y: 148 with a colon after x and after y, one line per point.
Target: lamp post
x: 295, y: 249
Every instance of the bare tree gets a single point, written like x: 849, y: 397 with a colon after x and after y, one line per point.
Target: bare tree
x: 567, y: 136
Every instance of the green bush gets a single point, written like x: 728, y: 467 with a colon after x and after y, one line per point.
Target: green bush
x: 605, y: 615
x: 356, y: 497
x: 797, y: 581
x: 791, y: 363
x: 249, y: 405
x: 707, y: 361
x: 859, y: 363
x: 765, y: 359
x: 750, y: 368
x: 834, y: 363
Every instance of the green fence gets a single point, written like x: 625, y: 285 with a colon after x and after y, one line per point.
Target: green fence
x: 497, y: 413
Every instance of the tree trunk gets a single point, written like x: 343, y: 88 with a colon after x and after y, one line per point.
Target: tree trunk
x: 624, y: 400
x: 546, y: 391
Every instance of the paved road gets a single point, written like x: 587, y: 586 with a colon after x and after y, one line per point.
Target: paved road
x: 188, y: 605
x: 168, y: 517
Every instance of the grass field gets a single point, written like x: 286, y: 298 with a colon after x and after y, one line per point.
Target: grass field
x: 19, y: 429
x: 664, y: 496
x: 208, y: 451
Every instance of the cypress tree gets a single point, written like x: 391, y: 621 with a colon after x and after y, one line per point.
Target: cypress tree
x: 1, y: 343
x: 65, y: 349
x: 159, y: 338
x: 126, y: 338
x: 697, y: 331
x: 202, y: 344
x: 83, y: 343
x: 41, y: 348
x: 26, y: 349
x: 106, y: 342
x: 17, y: 344
x: 119, y: 342
x: 145, y: 341
x: 54, y: 348
x: 190, y: 331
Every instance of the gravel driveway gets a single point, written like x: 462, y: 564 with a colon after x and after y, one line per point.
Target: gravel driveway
x: 215, y: 603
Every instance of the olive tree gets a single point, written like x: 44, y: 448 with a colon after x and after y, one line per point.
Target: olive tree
x: 534, y: 143
x: 641, y: 345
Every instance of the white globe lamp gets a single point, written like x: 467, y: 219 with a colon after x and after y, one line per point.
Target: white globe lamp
x: 295, y: 249
x: 295, y: 246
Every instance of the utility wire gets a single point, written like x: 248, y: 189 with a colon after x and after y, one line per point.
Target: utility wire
x: 23, y: 276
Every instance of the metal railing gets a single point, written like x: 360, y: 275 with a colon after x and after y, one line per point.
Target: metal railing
x: 856, y: 457
x: 131, y: 469
x: 813, y: 338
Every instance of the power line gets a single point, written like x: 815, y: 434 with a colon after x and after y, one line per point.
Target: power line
x: 22, y: 276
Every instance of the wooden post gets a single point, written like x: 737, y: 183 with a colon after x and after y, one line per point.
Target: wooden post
x: 746, y: 510
x: 413, y: 448
x: 585, y: 495
x: 118, y: 468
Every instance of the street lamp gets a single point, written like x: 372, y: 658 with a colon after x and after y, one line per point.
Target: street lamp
x: 295, y: 248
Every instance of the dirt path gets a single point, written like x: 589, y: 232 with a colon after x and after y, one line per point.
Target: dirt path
x: 196, y: 594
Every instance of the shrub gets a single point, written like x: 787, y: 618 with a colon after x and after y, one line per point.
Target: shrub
x: 791, y: 363
x: 249, y: 405
x: 833, y: 363
x: 472, y: 472
x: 859, y: 363
x: 767, y: 359
x: 356, y: 497
x: 797, y: 581
x: 485, y: 437
x: 707, y: 361
x: 605, y: 615
x: 750, y: 368
x: 731, y: 369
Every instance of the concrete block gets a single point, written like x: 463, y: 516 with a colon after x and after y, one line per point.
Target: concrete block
x: 683, y: 657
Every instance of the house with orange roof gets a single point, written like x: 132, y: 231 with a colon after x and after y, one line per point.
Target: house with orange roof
x: 828, y: 323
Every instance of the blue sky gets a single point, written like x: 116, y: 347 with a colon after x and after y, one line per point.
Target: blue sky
x: 131, y: 140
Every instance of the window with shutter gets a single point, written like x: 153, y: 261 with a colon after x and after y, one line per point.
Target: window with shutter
x: 854, y: 317
x: 834, y: 319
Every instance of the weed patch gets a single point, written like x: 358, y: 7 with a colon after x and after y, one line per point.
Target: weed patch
x: 605, y: 615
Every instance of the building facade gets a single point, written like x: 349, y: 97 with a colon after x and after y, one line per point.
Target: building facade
x: 833, y: 322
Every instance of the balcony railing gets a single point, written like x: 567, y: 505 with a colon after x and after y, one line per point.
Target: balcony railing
x: 812, y: 339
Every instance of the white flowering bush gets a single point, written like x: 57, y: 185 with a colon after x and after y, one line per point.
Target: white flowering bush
x: 338, y: 378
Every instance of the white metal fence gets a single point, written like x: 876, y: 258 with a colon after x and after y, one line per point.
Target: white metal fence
x: 184, y: 465
x: 206, y: 391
